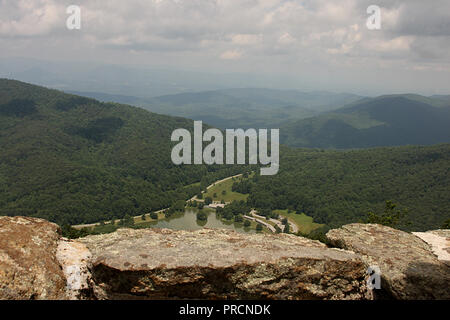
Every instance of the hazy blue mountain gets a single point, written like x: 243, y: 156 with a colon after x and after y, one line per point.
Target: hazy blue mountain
x: 237, y: 108
x: 106, y: 97
x: 383, y: 121
x: 137, y: 80
x: 248, y: 107
x: 444, y: 99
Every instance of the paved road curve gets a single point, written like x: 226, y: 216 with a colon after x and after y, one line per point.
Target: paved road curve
x: 81, y: 226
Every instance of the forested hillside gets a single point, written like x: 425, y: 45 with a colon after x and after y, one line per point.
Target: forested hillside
x: 339, y: 187
x: 384, y: 121
x: 73, y: 160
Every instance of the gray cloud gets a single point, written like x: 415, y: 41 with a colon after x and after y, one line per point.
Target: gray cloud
x: 313, y: 36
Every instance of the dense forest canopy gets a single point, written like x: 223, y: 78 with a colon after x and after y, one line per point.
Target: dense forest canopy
x: 340, y: 187
x: 74, y: 160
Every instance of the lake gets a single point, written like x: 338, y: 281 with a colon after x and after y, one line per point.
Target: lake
x: 188, y: 221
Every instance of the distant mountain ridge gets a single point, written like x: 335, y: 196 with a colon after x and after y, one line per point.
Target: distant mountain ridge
x: 314, y: 119
x: 240, y: 107
x: 383, y: 121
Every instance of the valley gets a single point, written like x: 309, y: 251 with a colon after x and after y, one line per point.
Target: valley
x: 200, y: 156
x: 75, y: 161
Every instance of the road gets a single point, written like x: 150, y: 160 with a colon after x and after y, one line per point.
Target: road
x: 268, y: 225
x: 90, y: 225
x: 293, y: 227
x: 212, y: 185
x: 254, y: 216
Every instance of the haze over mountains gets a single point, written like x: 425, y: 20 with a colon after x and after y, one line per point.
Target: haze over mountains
x: 314, y: 119
x: 239, y: 108
x: 306, y: 118
x: 128, y: 80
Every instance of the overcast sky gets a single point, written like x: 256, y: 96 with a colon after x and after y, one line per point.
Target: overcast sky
x: 312, y: 44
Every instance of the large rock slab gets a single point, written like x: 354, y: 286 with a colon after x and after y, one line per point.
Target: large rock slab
x: 221, y: 264
x: 409, y: 269
x: 29, y: 268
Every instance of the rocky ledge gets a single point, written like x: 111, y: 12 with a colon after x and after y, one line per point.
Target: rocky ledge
x: 29, y: 268
x: 36, y: 263
x: 221, y: 264
x: 409, y: 268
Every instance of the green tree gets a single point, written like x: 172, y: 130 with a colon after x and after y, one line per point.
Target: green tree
x: 446, y: 224
x: 154, y: 215
x: 390, y: 217
x: 247, y: 223
x: 128, y: 221
x: 202, y: 216
x: 178, y: 206
x: 72, y: 233
x: 286, y: 228
x: 259, y: 227
x: 277, y: 229
x: 208, y: 200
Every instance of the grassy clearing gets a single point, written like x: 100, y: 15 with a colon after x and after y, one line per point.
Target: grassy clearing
x: 305, y: 223
x: 229, y: 195
x: 138, y: 219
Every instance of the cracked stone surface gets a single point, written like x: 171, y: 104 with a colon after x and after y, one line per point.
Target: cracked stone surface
x: 221, y: 264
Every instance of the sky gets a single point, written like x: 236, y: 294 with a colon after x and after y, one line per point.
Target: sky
x: 305, y: 45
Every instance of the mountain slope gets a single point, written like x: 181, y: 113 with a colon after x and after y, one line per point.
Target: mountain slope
x: 340, y: 187
x: 383, y: 121
x: 73, y: 160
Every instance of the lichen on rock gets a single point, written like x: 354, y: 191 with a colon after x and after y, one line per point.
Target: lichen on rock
x: 221, y: 264
x: 29, y: 268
